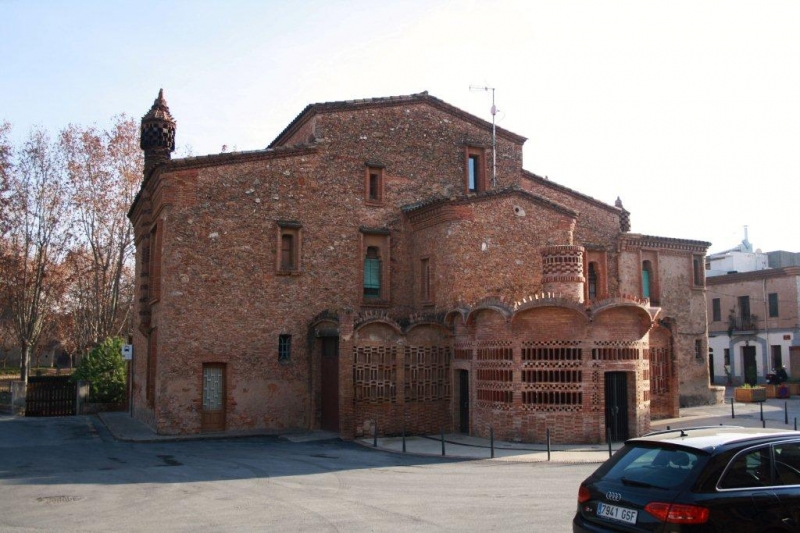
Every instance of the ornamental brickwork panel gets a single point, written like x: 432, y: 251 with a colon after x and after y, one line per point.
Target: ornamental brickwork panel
x: 427, y: 369
x: 552, y: 376
x: 494, y: 375
x: 375, y: 374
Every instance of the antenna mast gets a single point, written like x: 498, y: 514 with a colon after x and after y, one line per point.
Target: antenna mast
x: 493, y: 111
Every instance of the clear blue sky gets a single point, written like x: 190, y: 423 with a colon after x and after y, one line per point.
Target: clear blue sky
x: 687, y: 110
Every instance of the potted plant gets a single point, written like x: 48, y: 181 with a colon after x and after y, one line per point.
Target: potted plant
x: 750, y: 393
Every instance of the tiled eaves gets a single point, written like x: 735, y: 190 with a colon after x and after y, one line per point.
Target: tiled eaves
x: 488, y: 195
x: 572, y: 192
x: 240, y: 157
x: 638, y: 240
x: 389, y: 101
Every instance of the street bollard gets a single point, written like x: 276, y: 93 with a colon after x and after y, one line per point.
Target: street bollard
x: 442, y: 441
x: 491, y: 439
x: 733, y: 414
x: 761, y: 409
x: 548, y: 444
x: 608, y: 438
x: 375, y: 434
x: 763, y: 423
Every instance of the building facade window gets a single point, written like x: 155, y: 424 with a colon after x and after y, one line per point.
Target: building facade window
x: 426, y: 281
x: 475, y: 176
x: 716, y: 310
x: 373, y: 185
x: 647, y: 275
x: 284, y: 348
x: 375, y: 264
x: 372, y: 273
x: 289, y: 241
x: 698, y: 271
x: 154, y: 274
x: 773, y: 304
x: 744, y: 311
x: 592, y: 289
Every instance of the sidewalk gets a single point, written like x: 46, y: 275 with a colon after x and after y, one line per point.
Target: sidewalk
x: 457, y: 445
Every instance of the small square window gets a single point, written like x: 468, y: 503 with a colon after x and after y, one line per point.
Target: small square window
x: 716, y: 310
x: 284, y: 348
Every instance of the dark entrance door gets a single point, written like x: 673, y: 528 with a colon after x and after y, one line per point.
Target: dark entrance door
x: 616, y: 387
x: 749, y: 363
x: 463, y: 401
x: 329, y: 385
x: 212, y: 417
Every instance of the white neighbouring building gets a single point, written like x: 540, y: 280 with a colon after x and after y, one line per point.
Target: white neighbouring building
x: 753, y: 314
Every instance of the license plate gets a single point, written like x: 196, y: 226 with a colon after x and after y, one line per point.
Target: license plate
x: 616, y: 513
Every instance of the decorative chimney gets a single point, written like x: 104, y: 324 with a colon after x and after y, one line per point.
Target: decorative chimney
x: 157, y: 134
x: 624, y: 217
x: 562, y: 271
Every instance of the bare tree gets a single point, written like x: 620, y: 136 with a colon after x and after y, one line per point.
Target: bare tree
x: 36, y: 241
x: 104, y: 169
x: 5, y: 171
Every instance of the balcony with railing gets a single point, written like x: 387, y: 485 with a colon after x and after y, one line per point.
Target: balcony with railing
x: 740, y: 325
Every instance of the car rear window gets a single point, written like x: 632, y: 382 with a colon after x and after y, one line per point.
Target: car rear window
x: 649, y: 466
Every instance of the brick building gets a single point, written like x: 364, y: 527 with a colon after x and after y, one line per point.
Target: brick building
x: 369, y: 267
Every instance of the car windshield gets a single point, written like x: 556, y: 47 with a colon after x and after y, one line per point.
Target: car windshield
x: 647, y: 466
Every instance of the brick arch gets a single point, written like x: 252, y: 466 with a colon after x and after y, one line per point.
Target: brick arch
x: 479, y: 314
x: 427, y: 332
x: 378, y: 330
x: 454, y: 315
x: 621, y: 322
x: 485, y: 323
x: 550, y: 323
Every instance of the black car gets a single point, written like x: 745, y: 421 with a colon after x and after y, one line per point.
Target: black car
x: 721, y: 479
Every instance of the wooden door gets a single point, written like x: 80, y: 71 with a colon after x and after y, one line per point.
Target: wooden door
x: 212, y: 417
x: 329, y: 384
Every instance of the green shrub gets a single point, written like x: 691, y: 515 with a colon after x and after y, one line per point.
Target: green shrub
x: 104, y: 369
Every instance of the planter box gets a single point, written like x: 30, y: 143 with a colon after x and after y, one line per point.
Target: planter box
x: 757, y: 394
x: 794, y: 388
x: 772, y: 391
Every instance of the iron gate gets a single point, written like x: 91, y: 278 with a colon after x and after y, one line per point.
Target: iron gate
x: 51, y: 396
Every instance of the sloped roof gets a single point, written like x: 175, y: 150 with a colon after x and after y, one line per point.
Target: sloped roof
x: 388, y: 101
x: 566, y: 190
x: 486, y: 195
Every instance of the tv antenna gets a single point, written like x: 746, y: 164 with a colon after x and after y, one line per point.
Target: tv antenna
x: 493, y: 111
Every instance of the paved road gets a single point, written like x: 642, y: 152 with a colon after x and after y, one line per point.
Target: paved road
x: 70, y: 474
